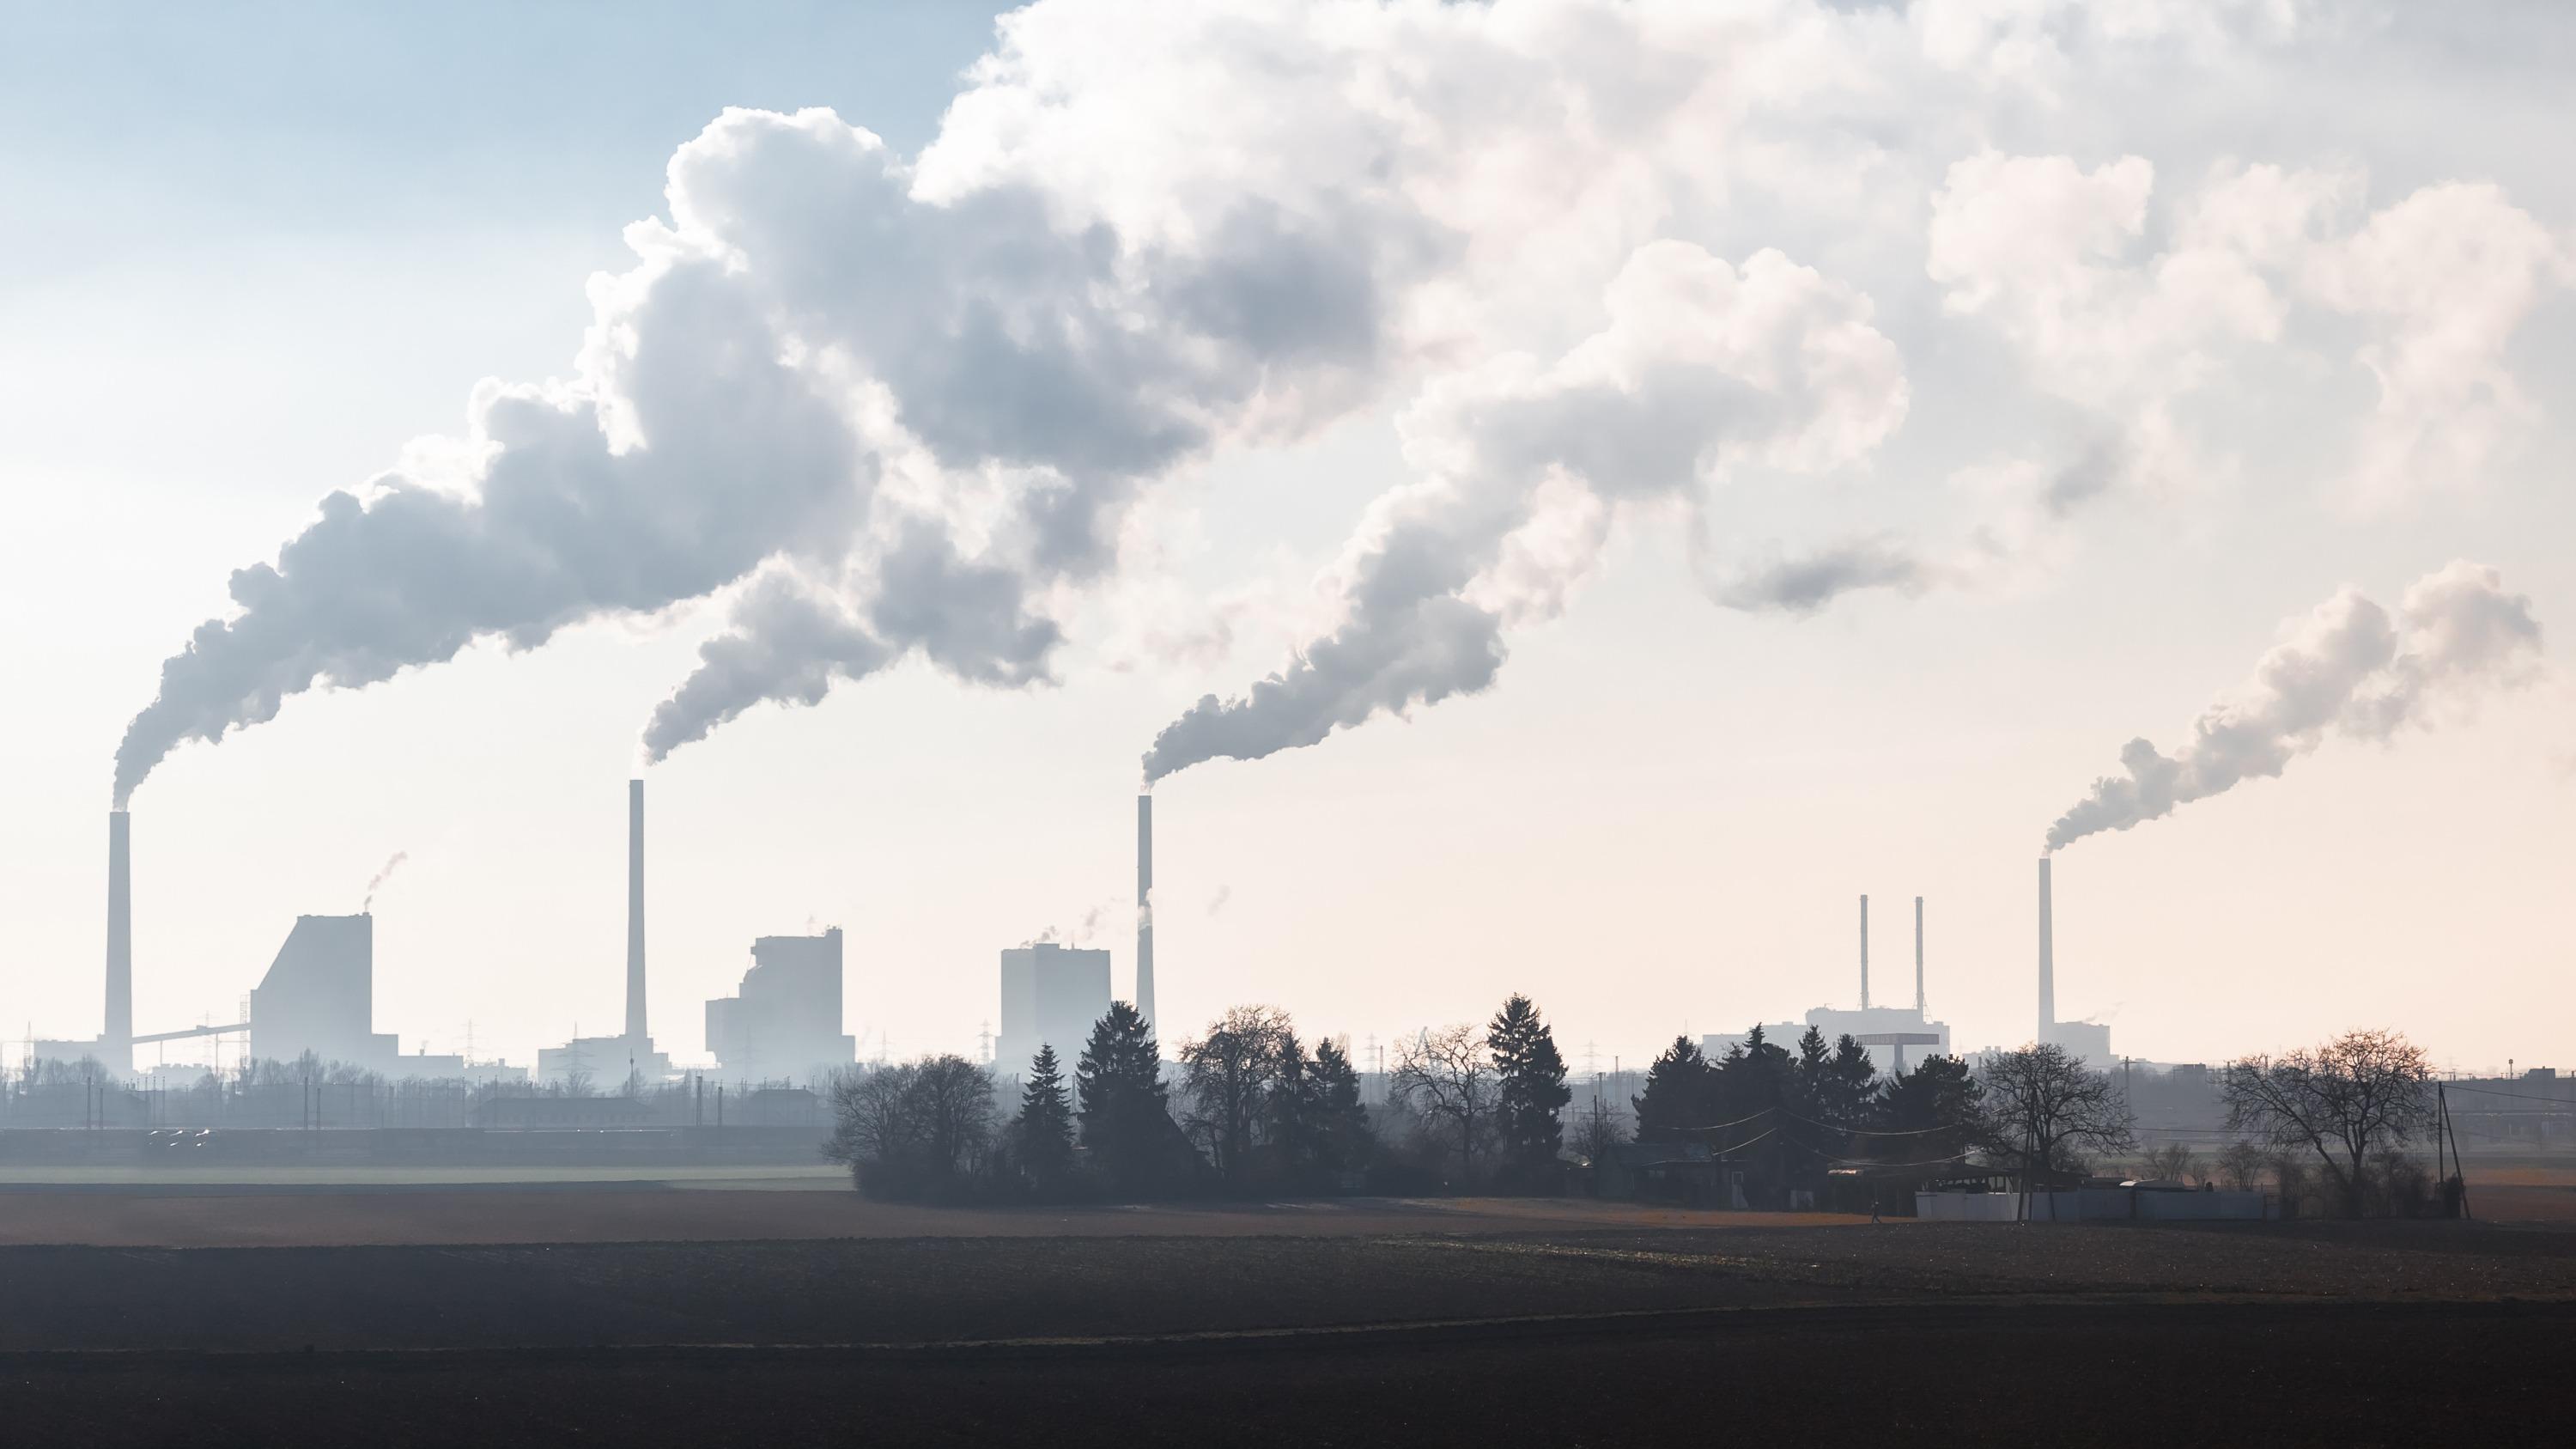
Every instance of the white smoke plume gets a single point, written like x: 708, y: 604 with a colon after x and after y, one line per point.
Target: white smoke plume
x: 1702, y: 366
x: 377, y: 883
x: 2348, y: 669
x: 885, y: 406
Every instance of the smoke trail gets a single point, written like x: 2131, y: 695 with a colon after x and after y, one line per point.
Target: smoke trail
x: 381, y: 876
x: 2346, y: 669
x: 888, y: 405
x: 1701, y: 367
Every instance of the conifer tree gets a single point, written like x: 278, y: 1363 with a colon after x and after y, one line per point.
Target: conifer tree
x: 1125, y: 1108
x: 1533, y: 1087
x: 1045, y: 1127
x: 1678, y: 1095
x: 1344, y: 1141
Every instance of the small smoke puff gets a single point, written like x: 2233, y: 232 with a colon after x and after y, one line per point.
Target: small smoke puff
x: 376, y: 882
x: 2346, y: 669
x: 1217, y: 901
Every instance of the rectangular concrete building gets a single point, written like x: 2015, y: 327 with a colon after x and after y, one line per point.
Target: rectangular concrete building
x: 784, y: 1022
x: 319, y: 996
x: 1051, y: 995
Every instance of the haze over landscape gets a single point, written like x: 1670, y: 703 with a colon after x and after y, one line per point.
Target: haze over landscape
x: 1558, y: 498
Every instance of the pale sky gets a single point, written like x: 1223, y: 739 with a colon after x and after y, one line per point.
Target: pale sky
x: 1849, y: 425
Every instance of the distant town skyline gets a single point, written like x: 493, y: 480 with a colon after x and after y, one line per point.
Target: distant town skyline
x: 1572, y: 547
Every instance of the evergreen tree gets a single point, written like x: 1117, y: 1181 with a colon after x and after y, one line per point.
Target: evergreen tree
x: 1045, y: 1128
x: 1343, y: 1139
x: 1936, y: 1105
x: 1533, y: 1087
x: 1293, y: 1109
x: 1807, y: 1088
x: 1680, y: 1092
x: 1848, y: 1082
x: 1754, y: 1078
x: 1126, y: 1111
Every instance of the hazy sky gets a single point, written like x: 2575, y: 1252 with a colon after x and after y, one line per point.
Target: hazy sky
x: 1588, y: 490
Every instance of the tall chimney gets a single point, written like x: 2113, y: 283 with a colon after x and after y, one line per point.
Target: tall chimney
x: 2047, y: 960
x: 116, y: 1035
x: 1918, y: 956
x: 635, y: 1031
x: 1145, y: 908
x: 1864, y: 953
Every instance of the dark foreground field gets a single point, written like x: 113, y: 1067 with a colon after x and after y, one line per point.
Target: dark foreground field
x: 2032, y: 1374
x: 1379, y: 1324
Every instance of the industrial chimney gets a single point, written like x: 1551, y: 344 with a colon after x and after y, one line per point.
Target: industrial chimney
x: 1918, y: 956
x: 116, y: 1035
x: 1864, y: 953
x: 2047, y: 960
x: 635, y: 1031
x: 1145, y: 908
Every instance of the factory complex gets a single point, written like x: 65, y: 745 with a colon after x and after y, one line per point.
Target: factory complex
x: 783, y: 1024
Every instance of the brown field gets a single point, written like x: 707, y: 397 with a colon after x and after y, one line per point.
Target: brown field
x: 216, y: 1216
x: 718, y: 1315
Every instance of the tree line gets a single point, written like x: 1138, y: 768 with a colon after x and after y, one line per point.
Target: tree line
x: 1247, y: 1107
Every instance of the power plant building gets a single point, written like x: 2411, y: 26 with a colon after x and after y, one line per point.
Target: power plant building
x: 2087, y: 1040
x: 1895, y: 1037
x: 319, y: 996
x: 1051, y: 996
x: 613, y: 1059
x: 784, y: 1023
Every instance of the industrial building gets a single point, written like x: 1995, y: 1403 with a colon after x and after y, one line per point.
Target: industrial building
x: 2086, y: 1040
x: 1144, y: 1002
x: 319, y: 996
x: 630, y: 1054
x: 113, y: 1048
x: 1051, y: 996
x: 1894, y: 1036
x: 784, y: 1022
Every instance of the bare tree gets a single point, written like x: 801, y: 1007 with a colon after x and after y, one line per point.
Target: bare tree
x: 2042, y: 1104
x: 872, y: 1121
x: 1447, y: 1076
x: 2362, y: 1090
x: 1598, y: 1128
x: 1227, y: 1079
x: 2173, y: 1162
x: 954, y: 1099
x: 2241, y: 1164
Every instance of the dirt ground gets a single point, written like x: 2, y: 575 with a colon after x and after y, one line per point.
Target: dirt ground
x: 718, y: 1315
x: 211, y: 1215
x: 2043, y: 1374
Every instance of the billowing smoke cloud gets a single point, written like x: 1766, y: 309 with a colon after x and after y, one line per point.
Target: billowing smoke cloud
x: 2347, y: 669
x: 881, y: 407
x: 377, y: 882
x: 1701, y: 367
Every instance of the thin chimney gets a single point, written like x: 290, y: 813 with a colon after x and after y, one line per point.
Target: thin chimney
x: 1864, y: 953
x: 1918, y: 956
x: 1145, y: 908
x: 635, y: 1030
x: 116, y: 1036
x: 2047, y: 960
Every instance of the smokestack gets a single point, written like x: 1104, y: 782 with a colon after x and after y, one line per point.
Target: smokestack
x: 1864, y: 953
x: 1145, y: 908
x: 116, y: 1035
x: 635, y: 911
x: 2047, y: 960
x: 1918, y: 956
